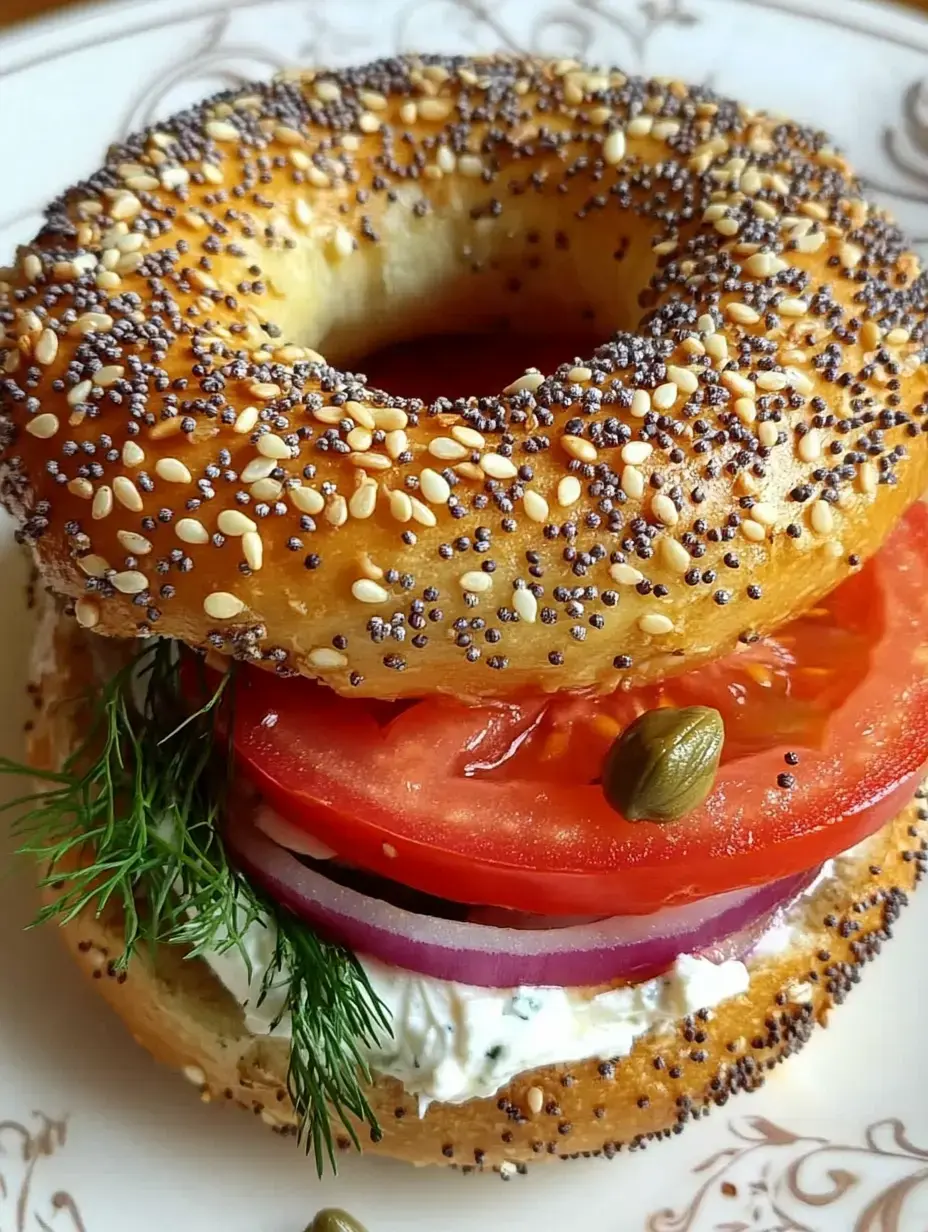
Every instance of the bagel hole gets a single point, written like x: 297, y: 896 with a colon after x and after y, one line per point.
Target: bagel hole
x: 466, y: 365
x: 461, y: 299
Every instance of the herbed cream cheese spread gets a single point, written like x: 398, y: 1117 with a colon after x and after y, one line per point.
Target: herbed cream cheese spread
x: 453, y: 1042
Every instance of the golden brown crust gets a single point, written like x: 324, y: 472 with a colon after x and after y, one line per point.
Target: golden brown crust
x: 178, y: 1010
x: 635, y: 512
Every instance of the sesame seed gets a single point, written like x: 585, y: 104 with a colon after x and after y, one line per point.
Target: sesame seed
x: 633, y: 482
x: 87, y: 613
x: 746, y: 410
x: 306, y: 500
x: 367, y: 591
x: 80, y: 393
x: 361, y: 414
x: 325, y: 659
x: 675, y: 554
x: 127, y: 494
x: 360, y: 439
x: 476, y: 581
x: 579, y: 448
x: 895, y: 337
x: 665, y: 396
x: 790, y: 306
x: 767, y: 433
x: 94, y: 323
x: 422, y: 513
x: 364, y: 500
x: 94, y: 566
x: 535, y: 505
x: 233, y: 522
x: 126, y: 206
x: 614, y: 147
x: 640, y: 126
x: 272, y: 446
x: 434, y: 487
x: 527, y: 383
x: 82, y: 488
x: 172, y: 470
x: 220, y: 605
x: 47, y: 347
x: 812, y: 242
x: 742, y: 314
x: 579, y: 374
x: 800, y: 382
x: 222, y: 130
x: 189, y: 530
x: 342, y: 242
x: 772, y: 382
x: 663, y: 508
x: 525, y: 605
x: 434, y: 108
x: 498, y: 467
x: 655, y: 624
x: 389, y: 418
x: 253, y: 549
x: 683, y: 378
x: 739, y: 385
x: 396, y: 442
x: 764, y: 513
x: 717, y: 347
x: 43, y: 426
x: 868, y: 478
x: 625, y: 575
x: 636, y: 451
x: 753, y: 531
x: 130, y: 582
x: 266, y: 489
x: 470, y: 166
x: 400, y: 505
x: 104, y: 377
x: 468, y: 436
x: 102, y: 503
x: 258, y: 468
x: 535, y: 1097
x: 821, y: 517
x: 136, y: 544
x: 336, y: 511
x: 641, y: 403
x: 447, y: 449
x: 265, y: 390
x: 302, y: 214
x: 809, y: 447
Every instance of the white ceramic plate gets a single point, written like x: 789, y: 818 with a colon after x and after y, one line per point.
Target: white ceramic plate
x: 92, y: 1136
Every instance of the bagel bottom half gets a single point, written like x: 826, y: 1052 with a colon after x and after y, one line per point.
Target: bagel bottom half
x: 179, y: 1011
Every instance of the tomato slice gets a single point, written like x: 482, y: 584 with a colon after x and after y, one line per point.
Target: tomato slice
x: 500, y: 804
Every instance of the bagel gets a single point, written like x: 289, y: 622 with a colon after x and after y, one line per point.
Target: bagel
x: 184, y: 461
x: 177, y: 1009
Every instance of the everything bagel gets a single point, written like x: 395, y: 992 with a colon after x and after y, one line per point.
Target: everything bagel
x: 186, y: 462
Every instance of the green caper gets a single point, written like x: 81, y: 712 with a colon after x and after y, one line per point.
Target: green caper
x: 334, y: 1220
x: 663, y: 765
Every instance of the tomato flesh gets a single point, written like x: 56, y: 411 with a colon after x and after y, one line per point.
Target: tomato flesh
x: 500, y: 804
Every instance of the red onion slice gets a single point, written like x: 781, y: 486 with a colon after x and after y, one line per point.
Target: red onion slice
x: 620, y: 948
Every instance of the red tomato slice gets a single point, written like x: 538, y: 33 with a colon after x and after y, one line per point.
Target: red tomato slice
x: 500, y: 804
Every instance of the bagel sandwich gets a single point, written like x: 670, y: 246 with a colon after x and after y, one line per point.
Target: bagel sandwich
x: 480, y: 763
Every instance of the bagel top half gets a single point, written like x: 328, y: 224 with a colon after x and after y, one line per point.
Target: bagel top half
x: 184, y: 461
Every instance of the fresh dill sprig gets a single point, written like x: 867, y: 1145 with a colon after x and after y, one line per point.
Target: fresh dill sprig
x: 139, y: 802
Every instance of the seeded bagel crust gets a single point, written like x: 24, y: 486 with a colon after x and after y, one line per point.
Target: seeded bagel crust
x: 184, y: 460
x: 180, y: 1012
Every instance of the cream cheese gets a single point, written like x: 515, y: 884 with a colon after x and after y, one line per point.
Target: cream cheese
x: 452, y: 1042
